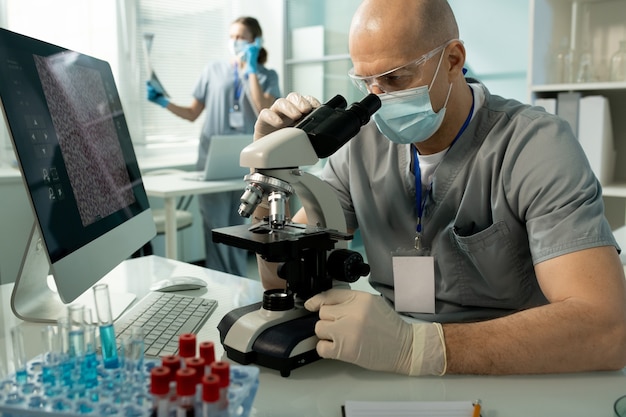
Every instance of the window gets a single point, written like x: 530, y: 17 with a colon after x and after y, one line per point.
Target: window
x: 187, y: 34
x: 87, y: 26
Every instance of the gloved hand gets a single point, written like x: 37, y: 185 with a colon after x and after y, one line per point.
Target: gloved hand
x: 251, y: 56
x: 155, y: 95
x: 284, y: 112
x: 362, y: 328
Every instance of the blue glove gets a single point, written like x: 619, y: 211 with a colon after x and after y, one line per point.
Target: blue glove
x: 156, y: 96
x: 251, y: 56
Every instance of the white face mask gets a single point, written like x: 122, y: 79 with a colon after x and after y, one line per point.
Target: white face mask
x: 237, y: 46
x: 407, y: 116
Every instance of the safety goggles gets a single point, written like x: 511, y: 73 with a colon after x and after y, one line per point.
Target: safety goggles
x: 399, y: 78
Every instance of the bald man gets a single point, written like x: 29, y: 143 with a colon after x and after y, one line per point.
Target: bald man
x: 482, y: 221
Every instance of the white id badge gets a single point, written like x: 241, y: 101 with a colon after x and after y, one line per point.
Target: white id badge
x: 414, y: 284
x: 235, y: 119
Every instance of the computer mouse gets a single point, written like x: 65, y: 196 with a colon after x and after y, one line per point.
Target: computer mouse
x: 178, y: 283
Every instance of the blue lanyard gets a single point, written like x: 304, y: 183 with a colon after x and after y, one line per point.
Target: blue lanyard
x: 238, y: 86
x: 419, y: 201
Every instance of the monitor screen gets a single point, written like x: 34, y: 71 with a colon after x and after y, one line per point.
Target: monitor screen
x: 77, y: 160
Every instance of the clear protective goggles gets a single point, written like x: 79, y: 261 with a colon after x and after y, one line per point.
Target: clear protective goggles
x: 396, y: 79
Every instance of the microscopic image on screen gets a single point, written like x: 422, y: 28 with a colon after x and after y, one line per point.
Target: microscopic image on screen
x: 83, y: 121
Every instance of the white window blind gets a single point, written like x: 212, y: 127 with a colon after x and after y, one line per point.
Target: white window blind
x: 87, y: 26
x: 187, y: 34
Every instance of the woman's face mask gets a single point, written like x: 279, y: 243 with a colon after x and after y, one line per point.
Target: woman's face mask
x: 407, y: 116
x: 237, y: 46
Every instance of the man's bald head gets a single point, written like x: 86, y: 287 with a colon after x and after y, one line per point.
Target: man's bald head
x: 409, y: 27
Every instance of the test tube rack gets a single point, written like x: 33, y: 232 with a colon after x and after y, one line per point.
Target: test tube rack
x: 115, y: 394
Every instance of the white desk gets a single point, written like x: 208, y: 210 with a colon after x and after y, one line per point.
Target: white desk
x: 320, y: 388
x: 171, y: 186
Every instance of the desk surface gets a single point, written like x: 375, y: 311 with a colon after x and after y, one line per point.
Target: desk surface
x: 320, y: 388
x: 176, y: 185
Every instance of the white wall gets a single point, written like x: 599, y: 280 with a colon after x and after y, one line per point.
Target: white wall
x: 495, y: 33
x: 496, y: 37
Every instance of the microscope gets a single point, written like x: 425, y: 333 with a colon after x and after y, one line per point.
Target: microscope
x: 279, y: 333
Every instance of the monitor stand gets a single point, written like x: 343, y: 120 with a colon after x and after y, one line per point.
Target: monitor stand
x: 34, y: 299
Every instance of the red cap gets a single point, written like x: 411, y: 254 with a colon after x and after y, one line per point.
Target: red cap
x: 187, y: 345
x: 160, y: 377
x: 185, y: 382
x: 172, y: 362
x: 221, y: 369
x: 198, y: 365
x: 207, y: 351
x: 210, y: 388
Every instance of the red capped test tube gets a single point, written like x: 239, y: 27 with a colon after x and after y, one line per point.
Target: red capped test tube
x: 187, y: 345
x: 210, y: 395
x: 222, y: 369
x: 160, y: 377
x: 185, y: 392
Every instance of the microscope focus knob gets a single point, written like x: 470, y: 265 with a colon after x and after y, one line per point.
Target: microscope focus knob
x: 346, y: 265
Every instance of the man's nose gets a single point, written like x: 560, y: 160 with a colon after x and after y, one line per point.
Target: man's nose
x: 375, y: 89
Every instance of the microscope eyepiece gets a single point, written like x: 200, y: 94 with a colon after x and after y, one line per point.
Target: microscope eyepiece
x: 331, y: 125
x: 365, y: 108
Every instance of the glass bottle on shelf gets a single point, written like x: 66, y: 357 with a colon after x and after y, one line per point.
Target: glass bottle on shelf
x: 618, y: 64
x: 562, y: 71
x: 585, y: 67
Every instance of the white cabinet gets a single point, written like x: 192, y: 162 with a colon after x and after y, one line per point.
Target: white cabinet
x: 590, y: 31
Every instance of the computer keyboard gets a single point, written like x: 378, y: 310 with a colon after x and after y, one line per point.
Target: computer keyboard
x: 163, y: 317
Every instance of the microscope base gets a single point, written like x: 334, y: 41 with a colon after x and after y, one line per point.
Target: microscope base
x: 284, y: 346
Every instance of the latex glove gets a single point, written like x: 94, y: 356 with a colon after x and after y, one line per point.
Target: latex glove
x: 251, y: 56
x: 362, y: 328
x: 284, y: 112
x: 155, y: 95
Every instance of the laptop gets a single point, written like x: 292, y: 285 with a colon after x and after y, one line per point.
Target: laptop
x: 222, y: 160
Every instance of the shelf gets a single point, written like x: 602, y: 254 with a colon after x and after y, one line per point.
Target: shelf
x: 603, y: 86
x: 614, y: 190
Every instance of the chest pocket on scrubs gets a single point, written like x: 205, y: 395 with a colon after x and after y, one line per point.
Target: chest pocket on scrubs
x: 489, y: 271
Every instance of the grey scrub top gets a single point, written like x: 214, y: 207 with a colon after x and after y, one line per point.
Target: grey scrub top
x: 216, y: 89
x: 515, y: 189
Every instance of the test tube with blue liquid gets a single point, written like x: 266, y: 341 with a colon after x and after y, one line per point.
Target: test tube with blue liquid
x: 50, y: 358
x: 76, y: 315
x: 105, y: 323
x: 19, y: 355
x: 66, y: 363
x: 90, y: 363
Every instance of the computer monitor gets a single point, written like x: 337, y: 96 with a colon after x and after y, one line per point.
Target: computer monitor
x: 79, y: 168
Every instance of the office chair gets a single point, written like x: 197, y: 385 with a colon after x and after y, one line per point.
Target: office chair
x: 184, y: 217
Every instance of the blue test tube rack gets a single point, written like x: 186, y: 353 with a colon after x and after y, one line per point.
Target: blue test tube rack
x: 115, y: 392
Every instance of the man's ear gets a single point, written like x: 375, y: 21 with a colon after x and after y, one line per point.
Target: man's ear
x: 456, y: 58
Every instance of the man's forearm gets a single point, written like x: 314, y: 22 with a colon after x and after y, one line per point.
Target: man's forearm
x: 558, y: 337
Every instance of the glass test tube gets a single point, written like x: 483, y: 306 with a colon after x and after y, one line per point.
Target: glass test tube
x: 134, y: 351
x: 64, y: 369
x: 50, y: 358
x: 105, y: 323
x: 19, y: 355
x: 76, y: 315
x: 90, y: 364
